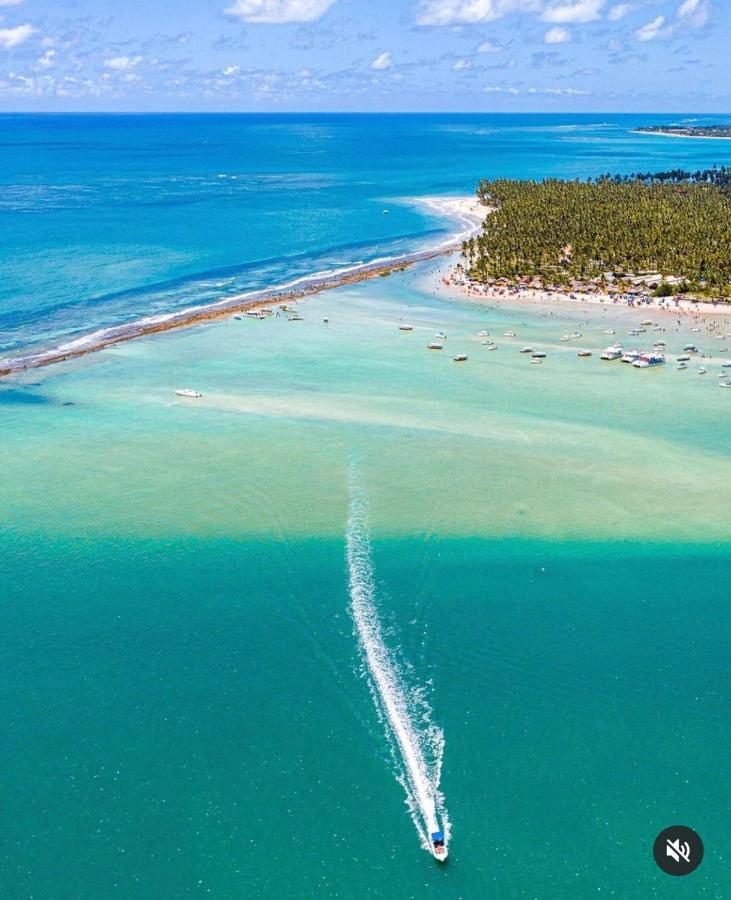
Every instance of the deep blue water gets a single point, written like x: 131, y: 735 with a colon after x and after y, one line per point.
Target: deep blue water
x: 106, y: 218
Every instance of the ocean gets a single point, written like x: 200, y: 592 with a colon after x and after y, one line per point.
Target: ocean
x: 190, y: 708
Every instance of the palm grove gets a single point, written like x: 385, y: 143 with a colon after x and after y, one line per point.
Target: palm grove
x: 676, y: 223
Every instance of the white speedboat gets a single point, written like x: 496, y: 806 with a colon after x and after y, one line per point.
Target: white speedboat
x: 610, y: 331
x: 483, y: 334
x: 440, y: 335
x: 724, y: 384
x: 188, y: 392
x: 630, y: 356
x: 536, y: 360
x: 526, y: 350
x: 702, y: 370
x: 406, y: 328
x: 584, y: 353
x: 460, y: 357
x: 681, y: 366
x: 438, y: 846
x: 539, y: 354
x: 435, y: 345
x: 509, y: 334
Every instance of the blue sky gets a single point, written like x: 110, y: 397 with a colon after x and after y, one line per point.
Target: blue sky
x: 365, y: 55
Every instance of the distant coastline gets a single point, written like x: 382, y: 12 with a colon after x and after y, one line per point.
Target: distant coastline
x: 705, y: 132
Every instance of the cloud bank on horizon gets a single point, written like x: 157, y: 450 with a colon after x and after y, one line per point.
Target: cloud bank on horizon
x: 380, y: 55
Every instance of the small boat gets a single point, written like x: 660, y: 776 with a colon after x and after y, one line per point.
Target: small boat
x: 612, y: 353
x: 483, y: 334
x: 326, y: 321
x: 295, y: 317
x: 610, y: 331
x: 406, y: 328
x: 577, y: 334
x: 681, y: 366
x: 690, y: 348
x: 386, y: 212
x: 492, y: 346
x: 460, y: 357
x: 188, y: 392
x: 726, y: 365
x: 435, y: 345
x: 255, y: 314
x: 536, y: 360
x: 647, y: 360
x: 646, y: 322
x: 684, y: 358
x: 438, y: 846
x: 539, y: 354
x: 702, y: 370
x: 724, y: 384
x: 659, y: 344
x: 565, y: 338
x: 630, y: 356
x: 526, y: 350
x: 441, y: 335
x: 695, y: 329
x: 584, y: 353
x: 238, y: 317
x: 509, y: 334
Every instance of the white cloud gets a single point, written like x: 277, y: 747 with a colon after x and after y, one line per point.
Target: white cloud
x: 497, y: 89
x: 47, y: 60
x: 231, y: 70
x: 10, y: 2
x: 278, y: 12
x: 651, y: 30
x: 619, y: 11
x: 578, y: 11
x: 554, y: 92
x: 697, y: 12
x: 12, y: 37
x: 557, y: 36
x: 461, y: 64
x: 487, y: 47
x: 122, y: 63
x: 451, y: 12
x: 382, y: 62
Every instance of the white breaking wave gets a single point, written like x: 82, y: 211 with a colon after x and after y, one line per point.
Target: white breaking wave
x: 417, y: 744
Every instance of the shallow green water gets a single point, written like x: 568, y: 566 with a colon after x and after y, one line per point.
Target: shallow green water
x: 184, y: 707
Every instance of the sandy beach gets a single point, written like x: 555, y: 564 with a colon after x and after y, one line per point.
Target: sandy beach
x: 451, y: 282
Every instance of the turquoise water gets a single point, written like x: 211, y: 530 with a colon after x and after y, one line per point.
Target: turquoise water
x: 185, y: 706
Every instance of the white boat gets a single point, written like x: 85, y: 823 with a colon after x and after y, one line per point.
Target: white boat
x: 539, y: 354
x: 526, y: 350
x: 536, y: 360
x: 483, y: 334
x: 646, y: 322
x: 690, y: 348
x: 681, y: 366
x: 326, y: 321
x: 441, y: 336
x: 509, y: 334
x: 612, y: 353
x: 460, y: 357
x: 188, y: 392
x: 684, y: 358
x: 610, y: 331
x: 647, y: 360
x: 702, y: 370
x: 565, y: 338
x: 438, y: 846
x: 584, y: 353
x: 435, y: 345
x: 724, y: 384
x: 255, y: 314
x: 726, y: 365
x: 630, y: 356
x: 695, y: 329
x: 295, y: 317
x: 492, y: 346
x: 406, y: 328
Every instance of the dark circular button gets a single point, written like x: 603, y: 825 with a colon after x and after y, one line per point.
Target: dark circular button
x: 678, y: 850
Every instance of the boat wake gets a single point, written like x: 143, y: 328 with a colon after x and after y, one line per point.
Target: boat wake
x: 417, y: 744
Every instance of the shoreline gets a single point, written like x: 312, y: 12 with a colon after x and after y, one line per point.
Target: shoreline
x: 457, y: 285
x: 467, y: 210
x: 693, y: 137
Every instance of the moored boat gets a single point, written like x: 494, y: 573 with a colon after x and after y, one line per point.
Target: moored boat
x: 435, y: 345
x: 188, y: 392
x: 460, y: 357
